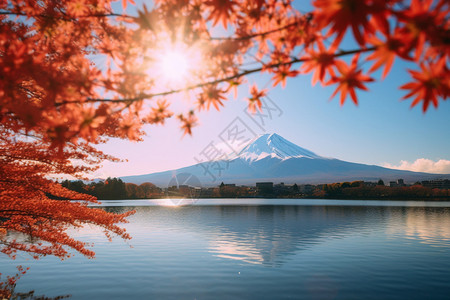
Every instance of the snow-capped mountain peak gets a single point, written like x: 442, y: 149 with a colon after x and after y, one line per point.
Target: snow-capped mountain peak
x: 271, y: 158
x: 275, y: 146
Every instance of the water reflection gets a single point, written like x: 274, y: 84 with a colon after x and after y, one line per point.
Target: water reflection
x: 270, y: 235
x: 266, y: 235
x: 427, y: 225
x: 232, y: 249
x: 258, y: 252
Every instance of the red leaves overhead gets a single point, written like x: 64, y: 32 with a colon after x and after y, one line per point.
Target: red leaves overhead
x: 282, y: 73
x: 351, y: 77
x: 254, y: 102
x: 211, y: 95
x: 429, y: 84
x: 221, y: 11
x: 188, y: 122
x: 386, y: 52
x: 424, y: 23
x: 50, y: 78
x: 321, y: 61
x: 342, y: 14
x: 159, y: 114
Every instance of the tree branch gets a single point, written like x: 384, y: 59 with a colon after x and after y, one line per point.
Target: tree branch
x: 63, y: 18
x: 203, y: 84
x: 248, y: 37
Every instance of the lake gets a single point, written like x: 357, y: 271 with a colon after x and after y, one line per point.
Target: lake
x: 257, y: 249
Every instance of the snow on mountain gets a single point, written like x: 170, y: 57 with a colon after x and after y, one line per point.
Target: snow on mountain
x: 270, y: 157
x: 274, y: 146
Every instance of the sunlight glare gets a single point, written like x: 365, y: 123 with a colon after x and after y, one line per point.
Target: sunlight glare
x: 174, y: 66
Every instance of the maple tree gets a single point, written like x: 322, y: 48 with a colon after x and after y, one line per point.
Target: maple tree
x: 75, y: 73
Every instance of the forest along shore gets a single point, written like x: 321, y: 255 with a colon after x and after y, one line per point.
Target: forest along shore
x: 116, y: 189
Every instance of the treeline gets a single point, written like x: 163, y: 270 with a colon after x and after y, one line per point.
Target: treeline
x: 114, y: 189
x: 359, y: 190
x: 340, y: 190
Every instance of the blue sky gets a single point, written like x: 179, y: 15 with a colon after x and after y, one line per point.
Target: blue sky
x: 381, y: 130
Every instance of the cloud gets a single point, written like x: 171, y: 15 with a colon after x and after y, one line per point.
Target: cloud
x: 441, y: 166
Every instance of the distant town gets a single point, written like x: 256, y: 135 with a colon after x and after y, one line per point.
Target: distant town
x: 114, y: 188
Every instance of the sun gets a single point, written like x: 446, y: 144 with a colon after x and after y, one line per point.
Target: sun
x: 174, y: 66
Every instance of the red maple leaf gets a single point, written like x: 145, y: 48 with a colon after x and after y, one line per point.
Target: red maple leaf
x: 282, y: 73
x: 341, y: 14
x: 386, y: 52
x: 211, y: 95
x: 432, y: 82
x: 320, y: 61
x: 222, y: 9
x: 254, y: 102
x: 423, y: 23
x: 188, y: 122
x: 351, y: 78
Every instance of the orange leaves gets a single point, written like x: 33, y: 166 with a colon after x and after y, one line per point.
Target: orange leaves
x: 282, y: 73
x: 129, y: 127
x: 322, y: 61
x: 27, y: 204
x: 188, y: 122
x: 210, y: 95
x: 49, y: 73
x: 221, y: 11
x: 419, y: 32
x: 386, y: 52
x: 430, y: 83
x: 8, y: 285
x: 124, y: 3
x: 58, y: 98
x: 351, y: 77
x: 254, y: 102
x: 342, y: 14
x: 421, y: 22
x: 160, y: 113
x: 77, y: 8
x: 146, y: 19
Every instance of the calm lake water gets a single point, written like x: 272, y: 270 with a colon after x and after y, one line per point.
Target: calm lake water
x: 258, y: 249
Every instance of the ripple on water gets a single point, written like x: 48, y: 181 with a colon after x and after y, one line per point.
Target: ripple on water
x: 259, y: 252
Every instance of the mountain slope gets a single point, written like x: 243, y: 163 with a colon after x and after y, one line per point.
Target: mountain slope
x: 273, y: 145
x: 270, y: 157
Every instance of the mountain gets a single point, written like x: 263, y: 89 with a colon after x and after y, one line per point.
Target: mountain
x: 270, y: 157
x: 274, y: 146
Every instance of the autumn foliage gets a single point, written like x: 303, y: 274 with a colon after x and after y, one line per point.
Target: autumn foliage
x: 75, y: 73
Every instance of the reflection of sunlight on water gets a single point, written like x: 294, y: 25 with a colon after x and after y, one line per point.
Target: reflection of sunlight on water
x: 175, y: 202
x: 418, y: 224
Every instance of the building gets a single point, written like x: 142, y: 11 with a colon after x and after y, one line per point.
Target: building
x: 264, y: 187
x: 306, y: 188
x: 399, y: 182
x: 370, y: 184
x: 437, y: 184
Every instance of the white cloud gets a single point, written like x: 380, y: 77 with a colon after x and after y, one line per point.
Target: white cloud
x: 441, y: 166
